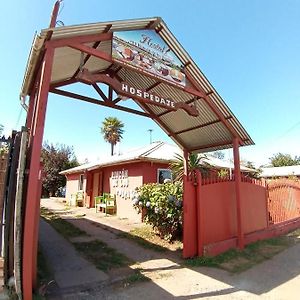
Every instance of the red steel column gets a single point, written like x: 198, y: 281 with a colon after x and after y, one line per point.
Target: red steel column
x: 189, y: 213
x: 200, y: 215
x: 237, y: 181
x: 31, y: 221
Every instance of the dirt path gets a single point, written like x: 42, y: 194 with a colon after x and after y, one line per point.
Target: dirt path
x: 278, y: 278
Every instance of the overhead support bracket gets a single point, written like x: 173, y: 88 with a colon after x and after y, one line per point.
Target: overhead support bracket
x: 142, y: 96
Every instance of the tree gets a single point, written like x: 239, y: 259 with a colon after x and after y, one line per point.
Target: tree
x: 3, y: 145
x: 56, y: 158
x: 280, y: 159
x: 195, y: 162
x: 218, y: 154
x: 112, y: 130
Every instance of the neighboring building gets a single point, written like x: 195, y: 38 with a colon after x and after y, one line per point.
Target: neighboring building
x: 122, y: 174
x: 275, y: 172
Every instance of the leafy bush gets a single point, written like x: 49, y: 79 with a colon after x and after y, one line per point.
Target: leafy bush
x: 162, y: 207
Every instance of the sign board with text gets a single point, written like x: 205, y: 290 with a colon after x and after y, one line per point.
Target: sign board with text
x: 147, y: 51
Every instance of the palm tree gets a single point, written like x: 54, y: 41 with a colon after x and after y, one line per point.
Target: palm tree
x: 195, y: 162
x: 112, y: 131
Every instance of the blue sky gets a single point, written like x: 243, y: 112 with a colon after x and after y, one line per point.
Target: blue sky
x: 249, y: 50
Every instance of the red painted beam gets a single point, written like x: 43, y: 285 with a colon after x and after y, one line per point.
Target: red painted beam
x: 89, y: 50
x: 54, y: 14
x: 63, y: 83
x: 99, y: 91
x: 64, y: 42
x: 98, y: 102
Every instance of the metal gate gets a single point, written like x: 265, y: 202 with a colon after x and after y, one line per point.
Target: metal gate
x: 11, y: 203
x: 283, y: 200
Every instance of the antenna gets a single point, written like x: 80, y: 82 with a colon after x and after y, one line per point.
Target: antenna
x: 150, y: 132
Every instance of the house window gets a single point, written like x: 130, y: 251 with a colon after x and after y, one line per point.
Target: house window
x: 80, y: 183
x: 163, y: 175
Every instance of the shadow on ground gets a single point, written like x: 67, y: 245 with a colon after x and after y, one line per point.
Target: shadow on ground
x: 174, y: 274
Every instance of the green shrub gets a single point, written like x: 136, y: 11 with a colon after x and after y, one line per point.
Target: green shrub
x: 162, y: 207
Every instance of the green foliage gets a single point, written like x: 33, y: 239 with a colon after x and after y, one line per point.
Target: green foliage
x: 223, y: 173
x: 112, y: 130
x: 3, y: 146
x: 195, y: 162
x: 162, y: 204
x: 56, y: 158
x: 280, y: 159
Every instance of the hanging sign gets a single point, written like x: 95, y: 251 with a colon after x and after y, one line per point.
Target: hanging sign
x: 128, y: 90
x: 147, y: 51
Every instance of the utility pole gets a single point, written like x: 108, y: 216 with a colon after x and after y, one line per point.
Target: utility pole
x: 150, y: 132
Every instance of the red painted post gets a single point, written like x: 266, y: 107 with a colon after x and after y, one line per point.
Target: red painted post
x: 200, y: 215
x: 31, y: 106
x: 54, y: 14
x: 237, y: 181
x: 34, y: 188
x: 189, y: 213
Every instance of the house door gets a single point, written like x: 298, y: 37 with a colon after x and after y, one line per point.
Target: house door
x: 97, y: 186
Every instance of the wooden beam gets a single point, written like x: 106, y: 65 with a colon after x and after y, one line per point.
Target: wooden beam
x: 95, y: 46
x: 98, y: 102
x: 86, y: 77
x: 110, y: 93
x: 89, y: 50
x: 64, y: 42
x: 63, y: 83
x: 99, y: 91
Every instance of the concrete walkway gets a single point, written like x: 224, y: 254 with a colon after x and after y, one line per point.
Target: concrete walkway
x: 278, y: 278
x: 70, y: 270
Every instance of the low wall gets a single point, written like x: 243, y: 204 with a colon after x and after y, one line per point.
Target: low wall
x: 267, y: 233
x: 219, y: 206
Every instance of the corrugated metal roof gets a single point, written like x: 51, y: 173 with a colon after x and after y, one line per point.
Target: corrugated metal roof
x: 158, y: 151
x: 280, y: 171
x: 203, y: 133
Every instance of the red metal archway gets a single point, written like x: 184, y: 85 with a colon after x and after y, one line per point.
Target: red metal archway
x: 201, y: 113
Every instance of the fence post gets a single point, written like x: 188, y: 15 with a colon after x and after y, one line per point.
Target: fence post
x: 190, y: 236
x: 200, y: 214
x: 237, y: 182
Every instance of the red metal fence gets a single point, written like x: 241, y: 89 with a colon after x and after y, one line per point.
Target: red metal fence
x: 283, y: 200
x: 215, y: 178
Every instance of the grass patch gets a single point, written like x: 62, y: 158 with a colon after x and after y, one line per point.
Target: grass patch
x: 236, y: 261
x: 147, y: 238
x: 137, y: 276
x: 102, y: 256
x: 97, y: 252
x: 62, y: 226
